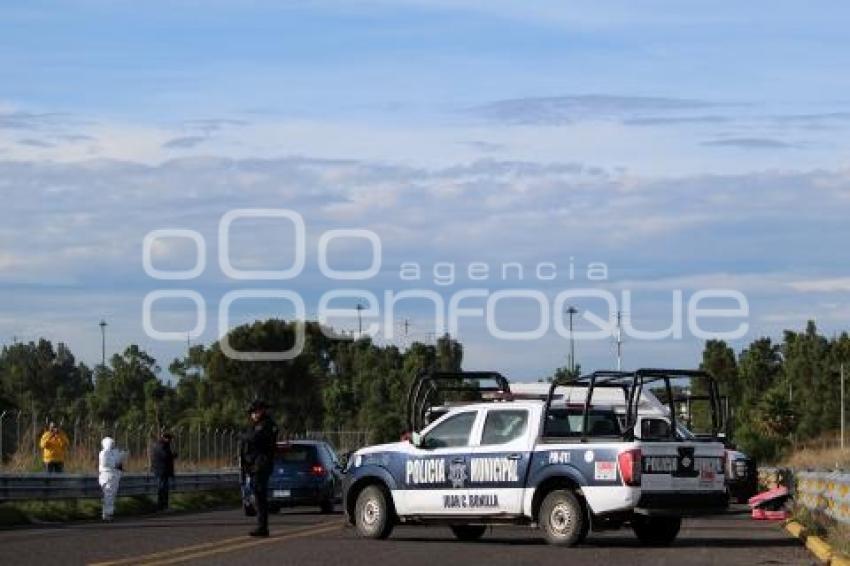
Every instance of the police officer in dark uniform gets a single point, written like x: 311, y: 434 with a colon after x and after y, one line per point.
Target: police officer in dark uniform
x: 258, y: 458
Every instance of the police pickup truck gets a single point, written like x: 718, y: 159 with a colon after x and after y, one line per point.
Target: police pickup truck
x: 564, y: 468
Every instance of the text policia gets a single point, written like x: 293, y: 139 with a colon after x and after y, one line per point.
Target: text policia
x: 379, y: 314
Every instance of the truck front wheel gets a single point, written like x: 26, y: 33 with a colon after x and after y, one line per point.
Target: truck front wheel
x: 656, y: 531
x: 562, y: 518
x: 372, y: 513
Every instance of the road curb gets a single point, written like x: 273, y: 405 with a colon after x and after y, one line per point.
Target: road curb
x: 816, y: 545
x: 795, y: 528
x: 819, y: 548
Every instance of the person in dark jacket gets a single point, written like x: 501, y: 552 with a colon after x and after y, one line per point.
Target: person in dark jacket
x: 162, y: 466
x: 258, y: 459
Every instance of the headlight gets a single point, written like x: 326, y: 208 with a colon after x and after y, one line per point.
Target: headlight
x: 738, y: 468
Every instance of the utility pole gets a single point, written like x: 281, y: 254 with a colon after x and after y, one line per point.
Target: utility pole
x: 359, y: 308
x: 619, y: 341
x: 572, y: 311
x: 842, y: 406
x: 103, y: 326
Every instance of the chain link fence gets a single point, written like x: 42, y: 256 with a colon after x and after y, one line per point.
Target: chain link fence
x: 343, y: 441
x: 198, y: 447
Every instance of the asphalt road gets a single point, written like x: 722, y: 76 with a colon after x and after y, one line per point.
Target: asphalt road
x: 307, y: 537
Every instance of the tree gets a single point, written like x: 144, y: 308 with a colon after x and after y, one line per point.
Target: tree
x: 39, y: 378
x: 718, y: 360
x: 122, y: 389
x: 776, y: 416
x: 811, y: 382
x: 760, y: 370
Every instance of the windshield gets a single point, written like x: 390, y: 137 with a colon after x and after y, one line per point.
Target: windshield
x: 295, y: 455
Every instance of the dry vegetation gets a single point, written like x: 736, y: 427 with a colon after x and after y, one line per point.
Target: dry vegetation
x: 823, y: 453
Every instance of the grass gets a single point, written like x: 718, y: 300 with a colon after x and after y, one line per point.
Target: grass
x: 813, y: 523
x: 818, y: 458
x: 821, y: 453
x: 28, y: 512
x: 839, y: 538
x: 78, y: 463
x: 836, y: 534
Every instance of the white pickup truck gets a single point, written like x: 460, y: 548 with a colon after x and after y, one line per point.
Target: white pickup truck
x: 563, y: 467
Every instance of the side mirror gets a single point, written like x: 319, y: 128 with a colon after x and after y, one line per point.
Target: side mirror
x: 343, y: 460
x: 416, y: 439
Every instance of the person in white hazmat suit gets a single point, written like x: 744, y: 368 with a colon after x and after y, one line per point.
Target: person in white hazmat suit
x: 110, y: 468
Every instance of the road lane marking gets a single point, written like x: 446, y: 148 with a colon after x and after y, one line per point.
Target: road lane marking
x: 248, y: 544
x: 217, y: 547
x: 171, y: 552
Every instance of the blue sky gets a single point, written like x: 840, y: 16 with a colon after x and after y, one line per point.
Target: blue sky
x: 684, y: 144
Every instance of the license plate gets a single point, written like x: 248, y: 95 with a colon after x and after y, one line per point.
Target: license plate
x: 280, y: 493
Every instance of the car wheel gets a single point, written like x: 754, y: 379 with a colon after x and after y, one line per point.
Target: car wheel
x: 372, y: 513
x: 562, y: 518
x: 326, y: 506
x: 468, y: 532
x: 656, y: 531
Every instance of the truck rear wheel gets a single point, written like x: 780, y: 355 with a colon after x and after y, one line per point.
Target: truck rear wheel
x: 562, y: 518
x: 468, y: 532
x: 656, y: 531
x: 372, y: 513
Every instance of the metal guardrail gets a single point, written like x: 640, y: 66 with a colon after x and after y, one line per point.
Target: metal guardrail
x: 825, y: 492
x: 76, y: 486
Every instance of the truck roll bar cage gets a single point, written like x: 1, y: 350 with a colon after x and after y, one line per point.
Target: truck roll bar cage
x: 632, y: 385
x: 427, y: 384
x: 723, y: 417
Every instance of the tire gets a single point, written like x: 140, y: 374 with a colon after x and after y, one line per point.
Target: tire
x: 372, y: 513
x: 468, y: 532
x: 249, y: 509
x: 326, y: 506
x: 562, y: 518
x: 585, y: 528
x: 656, y: 531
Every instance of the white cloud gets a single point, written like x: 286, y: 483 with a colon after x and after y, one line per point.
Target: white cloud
x: 75, y: 230
x: 828, y: 285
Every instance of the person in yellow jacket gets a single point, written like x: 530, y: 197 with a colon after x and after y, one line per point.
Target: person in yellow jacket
x: 54, y: 443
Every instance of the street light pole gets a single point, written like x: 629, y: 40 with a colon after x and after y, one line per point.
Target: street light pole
x: 572, y: 311
x: 103, y: 326
x: 359, y: 308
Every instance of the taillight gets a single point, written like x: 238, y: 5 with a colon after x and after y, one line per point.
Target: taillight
x: 317, y: 470
x: 629, y: 462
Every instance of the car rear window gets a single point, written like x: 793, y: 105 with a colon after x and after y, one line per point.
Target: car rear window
x: 568, y: 423
x: 296, y: 454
